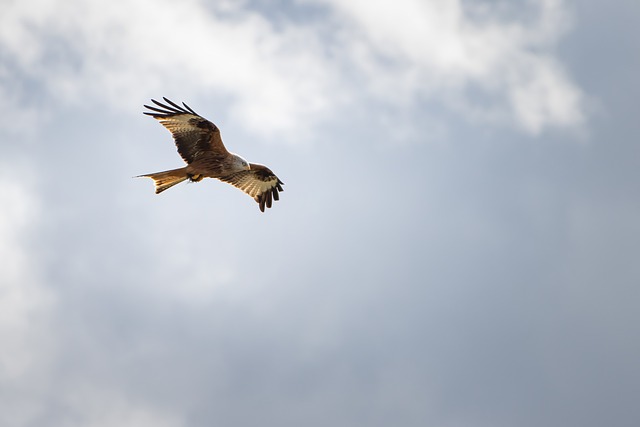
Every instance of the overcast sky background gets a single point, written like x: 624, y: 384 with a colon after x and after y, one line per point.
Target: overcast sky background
x: 458, y: 243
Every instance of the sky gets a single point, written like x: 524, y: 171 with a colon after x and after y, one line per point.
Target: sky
x: 457, y: 244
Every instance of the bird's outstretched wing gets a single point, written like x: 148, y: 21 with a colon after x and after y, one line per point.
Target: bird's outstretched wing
x: 258, y: 182
x: 194, y: 135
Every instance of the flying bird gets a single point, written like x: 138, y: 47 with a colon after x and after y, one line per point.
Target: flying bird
x: 200, y: 146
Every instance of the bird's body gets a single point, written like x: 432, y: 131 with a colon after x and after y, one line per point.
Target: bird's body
x: 200, y: 145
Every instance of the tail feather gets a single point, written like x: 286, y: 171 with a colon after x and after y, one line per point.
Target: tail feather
x: 167, y: 179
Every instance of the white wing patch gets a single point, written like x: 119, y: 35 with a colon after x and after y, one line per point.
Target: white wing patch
x: 253, y: 186
x: 260, y: 183
x: 180, y: 125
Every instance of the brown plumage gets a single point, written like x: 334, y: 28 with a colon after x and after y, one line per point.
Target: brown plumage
x: 200, y: 145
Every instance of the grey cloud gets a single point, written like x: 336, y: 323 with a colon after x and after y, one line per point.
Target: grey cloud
x: 474, y: 277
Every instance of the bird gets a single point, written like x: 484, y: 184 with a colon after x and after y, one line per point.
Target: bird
x: 200, y: 145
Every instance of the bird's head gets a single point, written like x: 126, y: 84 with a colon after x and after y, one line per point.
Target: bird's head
x: 240, y: 163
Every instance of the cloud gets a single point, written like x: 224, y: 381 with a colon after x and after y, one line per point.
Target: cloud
x: 491, y: 64
x: 540, y: 96
x: 123, y: 54
x: 94, y: 406
x: 441, y: 50
x: 24, y: 302
x: 470, y: 284
x: 21, y: 294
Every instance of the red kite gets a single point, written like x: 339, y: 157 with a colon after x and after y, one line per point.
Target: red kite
x: 200, y: 145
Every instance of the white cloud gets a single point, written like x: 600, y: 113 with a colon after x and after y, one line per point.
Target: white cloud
x: 540, y: 96
x: 412, y: 49
x: 282, y: 78
x: 21, y: 296
x: 124, y: 54
x: 94, y: 406
x: 24, y: 302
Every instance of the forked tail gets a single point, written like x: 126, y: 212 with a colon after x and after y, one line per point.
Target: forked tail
x: 167, y: 179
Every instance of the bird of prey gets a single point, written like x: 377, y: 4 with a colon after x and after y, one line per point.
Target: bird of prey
x: 200, y: 145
